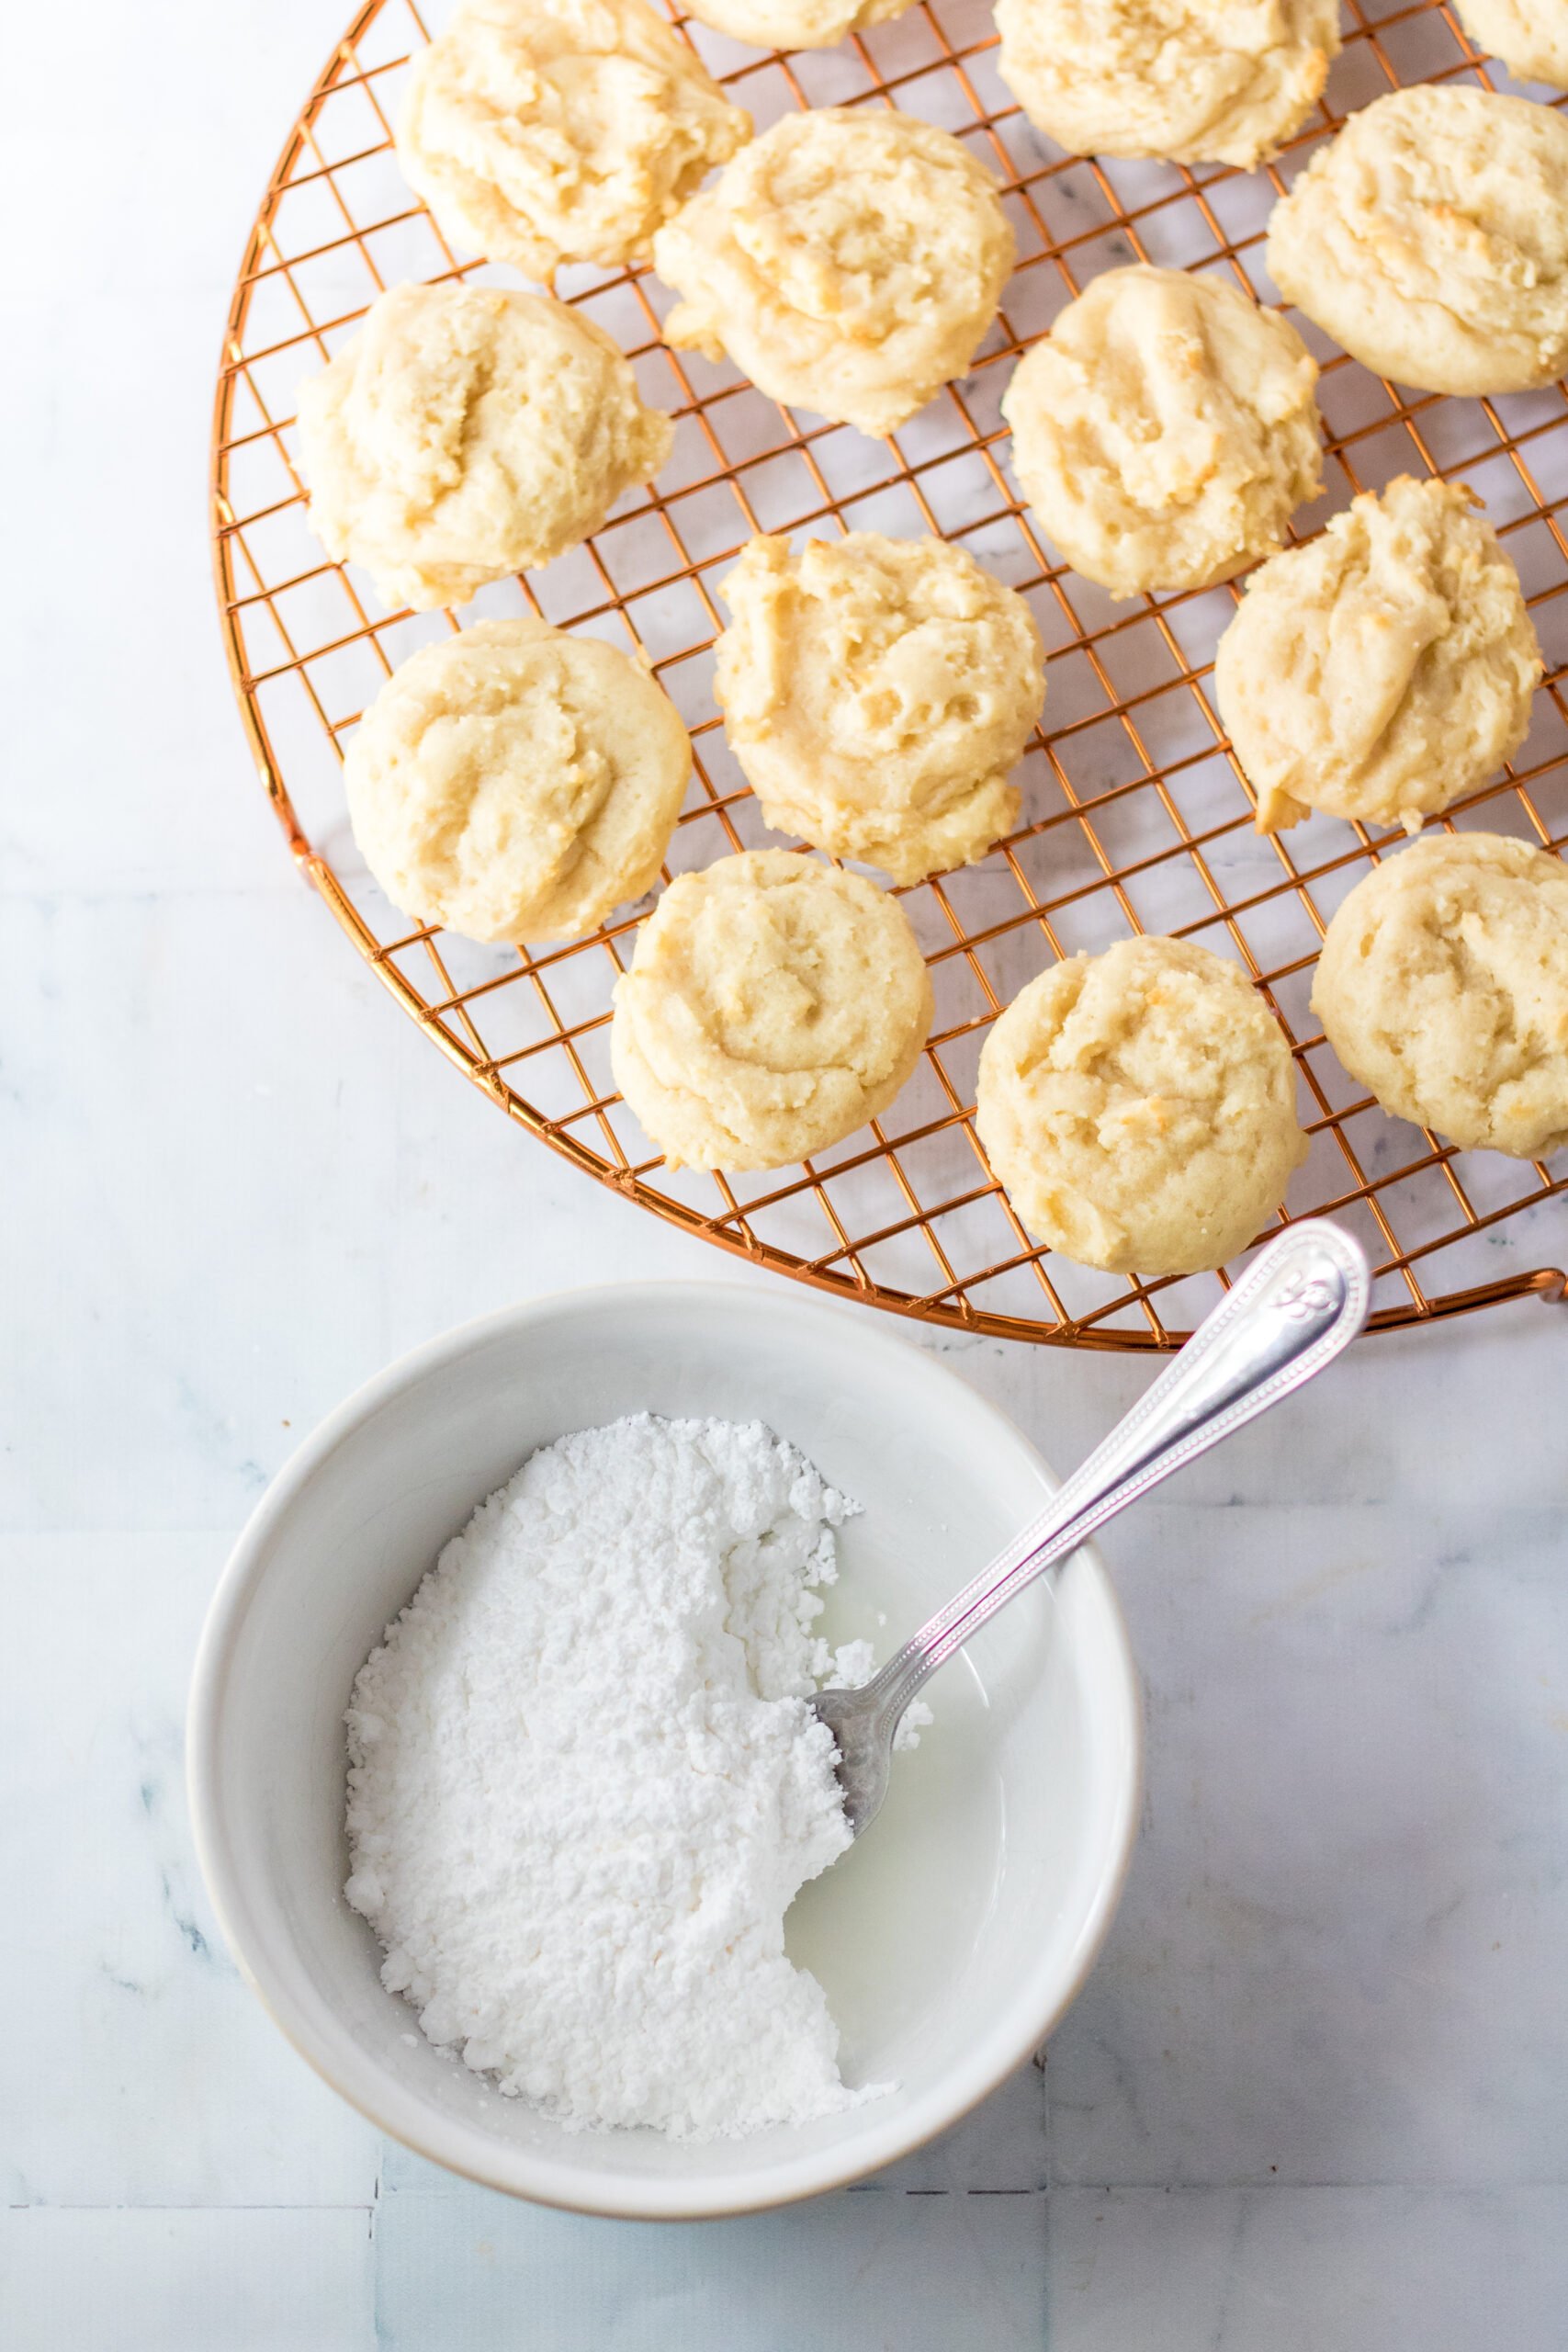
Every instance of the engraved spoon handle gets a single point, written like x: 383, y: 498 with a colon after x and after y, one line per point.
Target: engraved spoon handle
x: 1299, y: 1304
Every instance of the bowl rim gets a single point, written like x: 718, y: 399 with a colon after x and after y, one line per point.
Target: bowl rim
x: 311, y: 2025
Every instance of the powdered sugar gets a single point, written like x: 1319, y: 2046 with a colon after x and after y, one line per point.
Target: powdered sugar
x: 584, y: 1785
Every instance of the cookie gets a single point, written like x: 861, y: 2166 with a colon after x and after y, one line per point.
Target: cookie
x: 773, y: 1006
x: 1443, y: 987
x: 846, y: 262
x: 1529, y: 35
x: 514, y: 783
x: 1164, y: 430
x: 794, y: 24
x: 1220, y: 84
x: 877, y: 694
x: 1431, y: 238
x: 466, y: 433
x: 1383, y: 669
x: 561, y: 131
x: 1139, y: 1108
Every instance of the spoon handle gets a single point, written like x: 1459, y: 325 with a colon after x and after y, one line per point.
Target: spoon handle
x: 1299, y: 1304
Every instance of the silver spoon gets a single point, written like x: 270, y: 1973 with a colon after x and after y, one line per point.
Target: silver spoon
x: 1299, y: 1303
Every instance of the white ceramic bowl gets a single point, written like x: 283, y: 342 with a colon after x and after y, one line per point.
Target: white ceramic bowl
x: 950, y: 1940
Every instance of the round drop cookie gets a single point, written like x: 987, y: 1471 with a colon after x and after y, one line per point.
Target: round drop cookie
x: 542, y: 131
x: 514, y: 783
x: 847, y: 262
x: 466, y: 433
x: 1529, y: 35
x: 1383, y: 669
x: 1443, y: 987
x: 877, y: 694
x: 794, y: 24
x: 773, y: 1006
x: 1139, y: 1107
x: 1431, y: 238
x: 1164, y: 430
x: 1219, y: 84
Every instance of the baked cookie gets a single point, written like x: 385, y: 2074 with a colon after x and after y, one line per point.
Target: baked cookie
x: 1223, y: 83
x: 465, y: 433
x: 773, y: 1006
x: 1385, y: 668
x: 542, y: 131
x: 794, y: 24
x: 1529, y: 35
x: 847, y: 262
x: 1139, y: 1107
x: 878, y: 694
x: 1164, y: 430
x: 513, y: 782
x: 1431, y: 238
x: 1443, y: 987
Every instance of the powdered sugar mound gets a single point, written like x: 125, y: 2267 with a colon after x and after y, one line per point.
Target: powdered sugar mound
x: 585, y: 1786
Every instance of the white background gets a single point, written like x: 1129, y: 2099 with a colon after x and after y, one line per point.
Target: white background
x: 1316, y: 2095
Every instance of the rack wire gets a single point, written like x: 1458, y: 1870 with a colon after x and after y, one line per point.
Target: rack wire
x: 1134, y: 815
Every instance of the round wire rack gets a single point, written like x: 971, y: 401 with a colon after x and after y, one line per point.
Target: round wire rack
x: 1135, y: 816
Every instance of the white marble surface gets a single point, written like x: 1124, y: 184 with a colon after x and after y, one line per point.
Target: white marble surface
x: 1316, y: 2093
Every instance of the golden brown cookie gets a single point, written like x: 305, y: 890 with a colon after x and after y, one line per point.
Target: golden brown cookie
x: 1223, y: 83
x: 878, y: 694
x: 1529, y: 35
x: 847, y: 262
x: 1139, y: 1107
x: 466, y: 431
x: 515, y: 782
x: 773, y: 1006
x: 542, y: 131
x: 1443, y: 987
x: 794, y: 24
x: 1164, y: 430
x: 1383, y: 669
x: 1431, y: 238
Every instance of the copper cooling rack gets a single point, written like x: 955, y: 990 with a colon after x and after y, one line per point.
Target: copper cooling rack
x: 1134, y: 815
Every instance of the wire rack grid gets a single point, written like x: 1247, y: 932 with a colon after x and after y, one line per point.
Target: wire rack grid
x: 1135, y: 816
